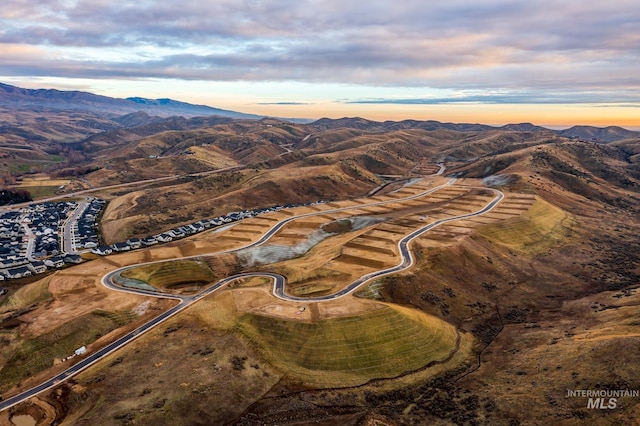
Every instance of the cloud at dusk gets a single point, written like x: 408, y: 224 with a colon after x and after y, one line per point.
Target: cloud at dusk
x: 570, y: 51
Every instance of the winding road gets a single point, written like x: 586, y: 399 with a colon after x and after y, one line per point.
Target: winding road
x: 279, y: 283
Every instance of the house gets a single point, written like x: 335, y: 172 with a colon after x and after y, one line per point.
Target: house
x: 11, y: 261
x: 134, y: 243
x: 187, y: 230
x: 37, y: 267
x: 72, y: 258
x: 176, y: 233
x: 121, y: 247
x: 20, y: 272
x: 54, y: 262
x: 102, y: 250
x: 197, y: 227
x: 164, y: 238
x: 149, y: 241
x: 205, y: 224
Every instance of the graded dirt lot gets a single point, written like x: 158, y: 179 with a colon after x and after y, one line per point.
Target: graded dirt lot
x: 351, y: 250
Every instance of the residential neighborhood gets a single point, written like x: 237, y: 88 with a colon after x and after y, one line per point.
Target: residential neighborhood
x: 183, y: 231
x: 46, y: 236
x: 50, y: 235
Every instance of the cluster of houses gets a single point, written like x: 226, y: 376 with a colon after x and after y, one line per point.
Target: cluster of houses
x: 46, y: 221
x: 13, y: 244
x: 186, y: 230
x: 84, y: 229
x: 31, y: 237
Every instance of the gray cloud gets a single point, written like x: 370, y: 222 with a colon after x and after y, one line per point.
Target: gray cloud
x: 610, y: 98
x: 545, y: 45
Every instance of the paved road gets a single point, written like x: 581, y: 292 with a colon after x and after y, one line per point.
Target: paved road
x: 119, y: 185
x: 67, y: 229
x: 278, y: 288
x: 31, y: 241
x: 406, y: 262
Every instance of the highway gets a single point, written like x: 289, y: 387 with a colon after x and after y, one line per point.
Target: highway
x: 279, y: 283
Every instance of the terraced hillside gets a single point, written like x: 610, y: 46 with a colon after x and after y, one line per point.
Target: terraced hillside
x: 348, y: 351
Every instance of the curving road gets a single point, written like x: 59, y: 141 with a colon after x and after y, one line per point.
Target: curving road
x: 279, y: 283
x: 118, y: 185
x: 405, y: 254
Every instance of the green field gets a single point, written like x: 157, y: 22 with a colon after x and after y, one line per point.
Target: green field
x: 349, y: 351
x: 540, y: 228
x: 172, y: 274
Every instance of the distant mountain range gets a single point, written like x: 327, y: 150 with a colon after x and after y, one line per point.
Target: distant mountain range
x: 600, y: 134
x: 12, y: 97
x: 587, y: 133
x: 137, y: 111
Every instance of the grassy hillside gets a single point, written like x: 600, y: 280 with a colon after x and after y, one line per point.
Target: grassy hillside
x: 31, y: 356
x: 26, y: 296
x: 348, y: 351
x: 543, y: 226
x: 167, y: 275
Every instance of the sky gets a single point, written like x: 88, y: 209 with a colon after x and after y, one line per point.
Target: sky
x: 550, y: 62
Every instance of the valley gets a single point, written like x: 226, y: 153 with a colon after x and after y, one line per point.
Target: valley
x: 413, y: 272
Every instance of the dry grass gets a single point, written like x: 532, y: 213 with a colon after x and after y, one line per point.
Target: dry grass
x: 187, y: 371
x: 348, y: 351
x: 39, y: 353
x: 541, y: 227
x: 26, y: 296
x: 42, y: 180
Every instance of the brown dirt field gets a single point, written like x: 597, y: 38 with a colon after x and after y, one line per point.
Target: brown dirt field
x: 116, y: 217
x: 244, y: 230
x: 351, y: 259
x: 40, y: 180
x: 359, y: 256
x: 346, y: 306
x: 74, y: 296
x: 259, y: 300
x: 362, y: 246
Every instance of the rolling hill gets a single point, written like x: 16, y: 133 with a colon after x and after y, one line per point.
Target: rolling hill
x: 542, y: 292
